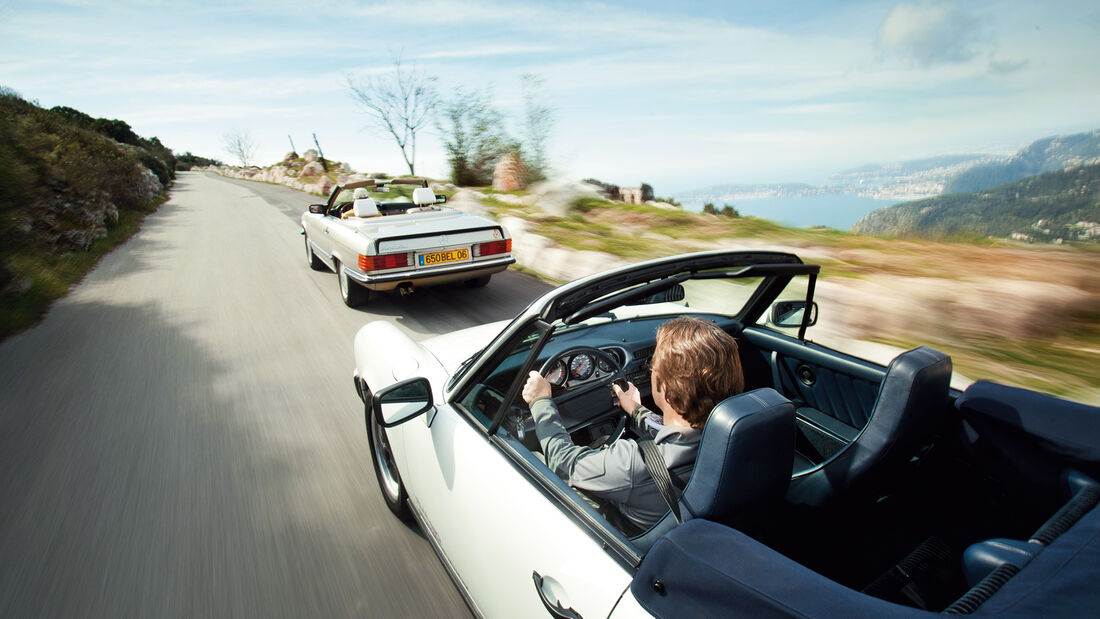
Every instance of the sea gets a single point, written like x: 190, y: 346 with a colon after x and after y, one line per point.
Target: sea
x: 837, y: 211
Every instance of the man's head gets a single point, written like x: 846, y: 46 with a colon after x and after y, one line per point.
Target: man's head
x: 695, y: 366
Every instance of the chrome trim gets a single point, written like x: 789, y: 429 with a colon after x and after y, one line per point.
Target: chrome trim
x: 316, y: 248
x: 415, y: 274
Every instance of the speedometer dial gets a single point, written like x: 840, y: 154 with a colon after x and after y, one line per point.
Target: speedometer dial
x: 557, y: 374
x: 580, y: 368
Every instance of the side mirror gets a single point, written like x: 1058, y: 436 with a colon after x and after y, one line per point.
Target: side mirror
x: 317, y: 209
x: 440, y: 198
x: 789, y: 313
x: 669, y: 295
x: 403, y: 400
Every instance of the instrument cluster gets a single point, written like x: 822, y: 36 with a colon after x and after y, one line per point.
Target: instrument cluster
x: 578, y: 369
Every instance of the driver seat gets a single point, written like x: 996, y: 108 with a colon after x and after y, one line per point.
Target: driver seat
x: 743, y: 465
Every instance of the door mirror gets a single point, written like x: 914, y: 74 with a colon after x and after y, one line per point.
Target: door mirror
x: 789, y: 314
x: 317, y: 209
x: 403, y: 400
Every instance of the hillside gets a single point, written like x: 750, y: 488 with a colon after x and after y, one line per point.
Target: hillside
x: 71, y: 188
x: 1061, y: 206
x: 1045, y: 155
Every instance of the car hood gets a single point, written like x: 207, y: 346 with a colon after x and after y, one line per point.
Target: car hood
x: 453, y: 348
x: 427, y: 222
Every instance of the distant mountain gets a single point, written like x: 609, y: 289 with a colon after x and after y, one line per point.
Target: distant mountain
x: 898, y: 181
x: 1045, y: 155
x: 1056, y: 206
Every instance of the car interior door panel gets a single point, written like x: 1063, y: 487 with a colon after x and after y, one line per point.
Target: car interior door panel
x: 834, y: 394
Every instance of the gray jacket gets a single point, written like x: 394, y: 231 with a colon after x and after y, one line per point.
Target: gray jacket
x: 616, y: 473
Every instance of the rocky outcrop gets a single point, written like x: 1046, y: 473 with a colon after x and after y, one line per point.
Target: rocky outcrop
x: 313, y: 168
x: 510, y: 174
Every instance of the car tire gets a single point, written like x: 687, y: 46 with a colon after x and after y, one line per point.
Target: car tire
x: 352, y: 293
x: 314, y: 262
x: 478, y: 282
x: 385, y: 469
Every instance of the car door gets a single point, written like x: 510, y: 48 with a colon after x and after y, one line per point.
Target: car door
x: 515, y: 547
x: 501, y: 535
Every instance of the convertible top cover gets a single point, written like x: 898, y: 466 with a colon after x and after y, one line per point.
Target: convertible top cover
x: 703, y: 569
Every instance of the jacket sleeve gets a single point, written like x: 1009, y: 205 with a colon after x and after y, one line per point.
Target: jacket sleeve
x: 606, y: 472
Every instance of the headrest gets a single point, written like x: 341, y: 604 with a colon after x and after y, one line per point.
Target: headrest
x: 423, y: 196
x: 745, y: 454
x: 743, y: 465
x: 365, y: 207
x: 360, y: 192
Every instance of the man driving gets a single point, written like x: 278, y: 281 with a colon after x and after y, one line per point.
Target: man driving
x: 694, y: 367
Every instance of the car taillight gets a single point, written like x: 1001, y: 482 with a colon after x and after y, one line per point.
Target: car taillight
x: 385, y: 261
x: 493, y: 247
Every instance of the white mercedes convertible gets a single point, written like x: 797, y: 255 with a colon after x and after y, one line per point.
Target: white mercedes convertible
x: 400, y: 243
x: 833, y: 486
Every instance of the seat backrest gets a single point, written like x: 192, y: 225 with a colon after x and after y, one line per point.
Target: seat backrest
x: 909, y: 405
x: 365, y: 207
x: 423, y: 196
x: 743, y: 464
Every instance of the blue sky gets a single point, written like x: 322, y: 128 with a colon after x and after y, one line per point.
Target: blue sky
x: 677, y: 94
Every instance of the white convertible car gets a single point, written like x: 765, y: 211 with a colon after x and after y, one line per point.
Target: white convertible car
x: 832, y: 487
x: 400, y: 244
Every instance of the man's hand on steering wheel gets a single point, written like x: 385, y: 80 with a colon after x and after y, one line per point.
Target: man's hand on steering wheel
x: 536, y: 387
x: 629, y: 399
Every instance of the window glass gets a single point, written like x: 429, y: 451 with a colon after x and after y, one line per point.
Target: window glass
x: 483, y: 398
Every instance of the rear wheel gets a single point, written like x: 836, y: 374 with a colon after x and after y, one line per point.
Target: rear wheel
x: 352, y: 293
x: 385, y: 469
x: 311, y: 258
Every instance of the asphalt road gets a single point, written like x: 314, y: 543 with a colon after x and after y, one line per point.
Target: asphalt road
x: 180, y: 436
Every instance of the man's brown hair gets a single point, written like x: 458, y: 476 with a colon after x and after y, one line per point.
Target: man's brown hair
x: 697, y: 366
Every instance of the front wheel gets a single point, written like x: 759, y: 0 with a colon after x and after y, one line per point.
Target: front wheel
x: 385, y: 469
x: 311, y: 258
x: 352, y: 293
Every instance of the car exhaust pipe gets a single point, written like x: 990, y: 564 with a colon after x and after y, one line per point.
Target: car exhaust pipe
x: 405, y: 289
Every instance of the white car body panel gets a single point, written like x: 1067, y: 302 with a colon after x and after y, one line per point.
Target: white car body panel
x: 450, y: 468
x: 494, y: 539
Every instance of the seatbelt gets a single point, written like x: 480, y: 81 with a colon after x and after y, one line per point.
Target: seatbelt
x: 655, y: 464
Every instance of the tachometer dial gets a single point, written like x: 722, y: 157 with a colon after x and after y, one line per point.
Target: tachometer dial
x: 580, y: 368
x: 557, y: 374
x: 604, y: 365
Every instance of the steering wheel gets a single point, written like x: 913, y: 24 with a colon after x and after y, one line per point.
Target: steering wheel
x: 616, y: 376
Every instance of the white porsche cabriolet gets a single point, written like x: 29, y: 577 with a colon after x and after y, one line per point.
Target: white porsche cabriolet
x: 402, y: 243
x: 832, y: 487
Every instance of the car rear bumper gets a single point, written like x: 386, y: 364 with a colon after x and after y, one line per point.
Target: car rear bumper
x: 430, y: 277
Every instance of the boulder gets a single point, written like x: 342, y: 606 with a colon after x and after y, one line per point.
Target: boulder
x: 510, y: 174
x: 311, y: 155
x: 312, y: 168
x: 291, y: 156
x: 324, y: 185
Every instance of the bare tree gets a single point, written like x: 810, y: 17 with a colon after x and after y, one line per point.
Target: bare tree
x: 399, y: 103
x: 241, y: 145
x: 538, y: 121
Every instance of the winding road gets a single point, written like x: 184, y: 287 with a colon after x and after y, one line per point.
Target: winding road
x: 180, y: 436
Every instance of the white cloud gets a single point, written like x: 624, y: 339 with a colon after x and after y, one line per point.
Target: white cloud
x: 928, y: 34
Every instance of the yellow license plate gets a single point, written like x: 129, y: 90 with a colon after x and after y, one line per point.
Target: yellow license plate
x: 443, y: 257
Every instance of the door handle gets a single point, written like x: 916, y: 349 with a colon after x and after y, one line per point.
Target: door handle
x: 555, y: 607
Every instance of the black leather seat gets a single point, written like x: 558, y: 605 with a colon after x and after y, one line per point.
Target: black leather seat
x: 910, y: 403
x: 743, y: 465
